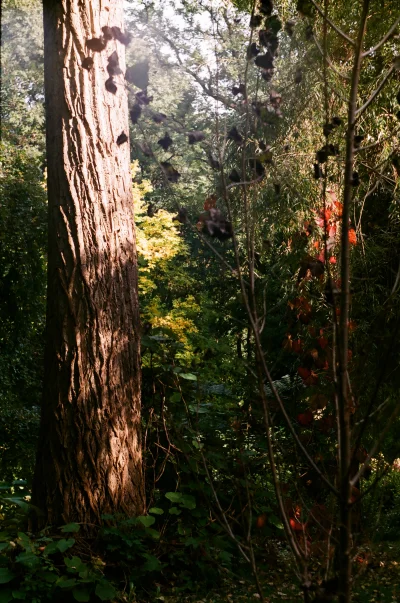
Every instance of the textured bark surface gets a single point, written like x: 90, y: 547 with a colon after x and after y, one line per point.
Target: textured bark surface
x: 89, y: 459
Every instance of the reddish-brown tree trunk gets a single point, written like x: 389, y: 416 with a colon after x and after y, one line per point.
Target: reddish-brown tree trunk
x: 89, y: 458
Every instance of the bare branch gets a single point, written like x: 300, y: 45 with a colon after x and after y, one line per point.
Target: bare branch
x: 333, y: 25
x: 384, y: 39
x: 375, y: 93
x: 329, y: 62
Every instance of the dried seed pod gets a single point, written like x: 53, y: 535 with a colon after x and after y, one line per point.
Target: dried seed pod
x: 170, y: 172
x: 289, y: 27
x: 298, y: 76
x: 158, y: 118
x: 107, y: 32
x: 309, y: 33
x: 241, y: 89
x: 234, y: 135
x: 214, y: 163
x: 256, y: 20
x: 252, y: 51
x: 267, y: 74
x: 317, y: 171
x: 142, y: 97
x: 327, y: 129
x: 194, y: 137
x: 113, y: 67
x: 88, y: 63
x: 358, y: 140
x: 96, y: 44
x: 266, y: 7
x: 337, y: 121
x: 111, y: 86
x: 275, y: 99
x: 122, y: 138
x: 135, y: 113
x: 165, y: 142
x: 182, y: 216
x: 265, y: 61
x: 124, y: 38
x: 234, y: 176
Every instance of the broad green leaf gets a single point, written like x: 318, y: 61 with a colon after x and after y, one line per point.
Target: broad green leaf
x: 71, y: 527
x: 275, y: 521
x: 6, y: 575
x: 197, y: 444
x: 153, y: 533
x: 51, y: 548
x: 105, y: 591
x: 188, y: 376
x: 63, y: 545
x: 19, y: 595
x: 152, y: 564
x: 156, y: 511
x: 24, y: 540
x: 28, y: 558
x: 16, y: 500
x: 176, y: 397
x: 174, y: 496
x: 81, y: 594
x: 174, y: 511
x: 5, y: 595
x: 188, y: 501
x: 4, y: 545
x: 146, y: 520
x: 65, y: 582
x: 75, y: 563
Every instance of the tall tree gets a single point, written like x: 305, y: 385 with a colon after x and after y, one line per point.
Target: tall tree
x: 89, y: 458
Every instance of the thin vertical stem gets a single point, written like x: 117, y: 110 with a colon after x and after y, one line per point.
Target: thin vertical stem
x: 343, y: 335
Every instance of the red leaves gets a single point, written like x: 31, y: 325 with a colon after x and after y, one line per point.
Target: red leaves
x: 303, y: 372
x: 352, y: 236
x: 210, y: 202
x: 326, y: 424
x: 322, y: 342
x: 296, y: 525
x: 297, y: 346
x: 308, y: 376
x: 305, y: 418
x: 261, y: 520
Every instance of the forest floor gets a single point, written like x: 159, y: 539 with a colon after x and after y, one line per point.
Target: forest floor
x: 377, y: 580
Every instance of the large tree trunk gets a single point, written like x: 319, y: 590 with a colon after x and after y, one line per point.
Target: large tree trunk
x: 89, y: 459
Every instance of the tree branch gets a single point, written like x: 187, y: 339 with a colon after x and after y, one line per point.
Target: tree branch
x: 328, y: 61
x: 333, y: 25
x: 375, y: 93
x: 384, y: 39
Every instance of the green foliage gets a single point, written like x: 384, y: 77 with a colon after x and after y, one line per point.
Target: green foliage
x: 23, y: 220
x: 22, y: 95
x: 36, y: 569
x: 381, y: 508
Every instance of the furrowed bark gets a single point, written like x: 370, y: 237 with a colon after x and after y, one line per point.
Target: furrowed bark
x: 89, y: 459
